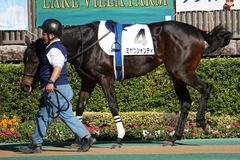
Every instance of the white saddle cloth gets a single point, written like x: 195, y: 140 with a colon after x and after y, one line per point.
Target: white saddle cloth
x: 136, y: 40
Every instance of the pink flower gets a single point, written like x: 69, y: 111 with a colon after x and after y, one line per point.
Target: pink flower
x: 216, y: 133
x: 8, y: 132
x: 192, y: 125
x: 135, y: 126
x: 96, y: 128
x: 87, y: 127
x: 4, y: 130
x: 232, y: 126
x: 194, y: 132
x: 93, y: 128
x: 106, y: 127
x: 155, y: 125
x: 17, y: 134
x: 127, y: 126
x: 170, y: 129
x: 1, y: 134
x: 237, y: 124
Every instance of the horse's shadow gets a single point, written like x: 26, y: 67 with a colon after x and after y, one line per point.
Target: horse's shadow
x: 184, y: 144
x: 159, y: 142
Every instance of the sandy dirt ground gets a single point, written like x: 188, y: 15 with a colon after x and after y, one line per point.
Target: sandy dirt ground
x: 102, y: 150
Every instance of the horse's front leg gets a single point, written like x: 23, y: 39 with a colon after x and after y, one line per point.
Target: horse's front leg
x: 108, y: 87
x: 84, y: 95
x: 185, y: 102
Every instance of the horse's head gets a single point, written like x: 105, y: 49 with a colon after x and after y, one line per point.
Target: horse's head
x: 31, y: 58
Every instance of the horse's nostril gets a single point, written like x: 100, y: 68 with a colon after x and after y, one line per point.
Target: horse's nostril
x: 25, y: 87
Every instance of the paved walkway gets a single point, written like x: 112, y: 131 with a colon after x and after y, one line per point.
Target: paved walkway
x: 136, y: 150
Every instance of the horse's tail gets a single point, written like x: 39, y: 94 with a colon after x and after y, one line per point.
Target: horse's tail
x: 216, y: 38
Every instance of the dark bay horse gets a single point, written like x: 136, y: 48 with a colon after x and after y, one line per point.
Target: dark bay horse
x: 177, y: 45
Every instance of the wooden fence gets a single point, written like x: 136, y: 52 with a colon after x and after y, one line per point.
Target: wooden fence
x: 229, y: 19
x: 200, y: 19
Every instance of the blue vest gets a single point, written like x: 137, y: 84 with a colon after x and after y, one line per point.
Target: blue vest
x: 46, y: 68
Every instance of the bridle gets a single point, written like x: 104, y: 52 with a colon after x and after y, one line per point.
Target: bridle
x: 29, y: 75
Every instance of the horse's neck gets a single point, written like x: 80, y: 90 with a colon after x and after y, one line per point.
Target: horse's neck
x: 89, y: 34
x: 78, y: 38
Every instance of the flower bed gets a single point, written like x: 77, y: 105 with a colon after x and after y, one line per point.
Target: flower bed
x: 138, y: 126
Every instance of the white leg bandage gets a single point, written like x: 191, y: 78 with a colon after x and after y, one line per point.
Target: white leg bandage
x: 80, y: 118
x: 120, y: 129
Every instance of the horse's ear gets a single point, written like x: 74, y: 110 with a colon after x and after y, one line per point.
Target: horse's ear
x: 27, y: 41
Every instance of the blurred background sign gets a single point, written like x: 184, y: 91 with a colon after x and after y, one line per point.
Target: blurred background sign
x: 77, y: 12
x: 13, y: 15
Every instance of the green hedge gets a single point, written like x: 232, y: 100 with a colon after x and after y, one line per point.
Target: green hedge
x: 151, y: 92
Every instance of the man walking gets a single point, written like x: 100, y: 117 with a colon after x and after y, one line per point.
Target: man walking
x: 53, y: 76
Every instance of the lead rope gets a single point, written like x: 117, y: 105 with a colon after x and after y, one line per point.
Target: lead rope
x: 58, y: 103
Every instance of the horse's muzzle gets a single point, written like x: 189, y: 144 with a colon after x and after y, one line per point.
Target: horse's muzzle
x: 26, y: 87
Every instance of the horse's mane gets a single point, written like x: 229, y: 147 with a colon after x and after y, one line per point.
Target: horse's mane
x: 40, y: 46
x: 74, y: 35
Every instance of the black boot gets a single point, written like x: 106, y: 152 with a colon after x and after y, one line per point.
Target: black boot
x: 86, y: 143
x: 31, y: 148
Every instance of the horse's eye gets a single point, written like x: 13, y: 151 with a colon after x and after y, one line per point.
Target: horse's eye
x: 36, y: 62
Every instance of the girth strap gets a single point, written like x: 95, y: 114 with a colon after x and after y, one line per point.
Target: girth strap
x: 118, y: 57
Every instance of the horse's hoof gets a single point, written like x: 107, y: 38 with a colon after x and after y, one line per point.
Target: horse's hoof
x: 75, y: 146
x: 168, y: 143
x: 208, y: 129
x: 116, y: 146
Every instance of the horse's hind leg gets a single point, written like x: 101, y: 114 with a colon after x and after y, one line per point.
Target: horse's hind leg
x: 204, y: 88
x: 185, y: 102
x: 84, y: 95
